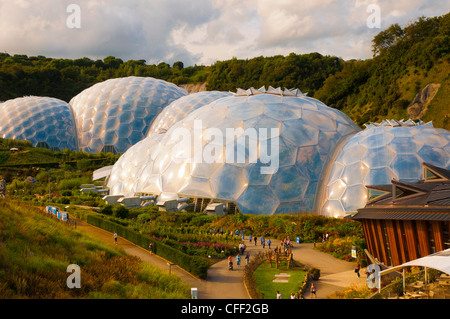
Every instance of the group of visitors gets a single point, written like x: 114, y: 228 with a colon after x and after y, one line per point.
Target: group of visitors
x: 262, y: 240
x: 293, y: 296
x: 285, y: 244
x: 238, y: 260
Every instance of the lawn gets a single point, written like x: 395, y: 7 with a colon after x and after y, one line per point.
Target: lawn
x: 265, y: 274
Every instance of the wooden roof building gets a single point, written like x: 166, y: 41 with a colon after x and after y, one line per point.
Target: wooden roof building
x: 405, y: 221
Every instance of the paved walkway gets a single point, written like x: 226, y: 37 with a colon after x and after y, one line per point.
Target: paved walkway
x: 335, y: 274
x: 222, y: 283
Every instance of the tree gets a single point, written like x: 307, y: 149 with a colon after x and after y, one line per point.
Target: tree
x: 178, y: 65
x: 386, y: 39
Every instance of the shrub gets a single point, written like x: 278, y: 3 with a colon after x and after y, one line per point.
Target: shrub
x: 66, y: 193
x: 107, y: 210
x: 314, y: 273
x: 121, y: 212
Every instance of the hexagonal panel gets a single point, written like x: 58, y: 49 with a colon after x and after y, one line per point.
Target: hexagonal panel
x: 228, y: 182
x: 282, y: 111
x: 407, y: 166
x: 250, y: 200
x: 405, y: 145
x: 377, y: 157
x: 299, y: 132
x: 354, y: 197
x: 354, y: 173
x: 379, y: 176
x: 289, y: 183
x: 433, y: 155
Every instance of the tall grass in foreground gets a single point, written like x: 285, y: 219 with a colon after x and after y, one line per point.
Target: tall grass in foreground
x: 36, y: 249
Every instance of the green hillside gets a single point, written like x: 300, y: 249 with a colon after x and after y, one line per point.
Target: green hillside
x: 406, y: 59
x: 35, y: 251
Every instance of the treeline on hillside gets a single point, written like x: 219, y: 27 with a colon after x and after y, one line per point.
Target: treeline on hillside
x: 405, y: 61
x: 21, y: 75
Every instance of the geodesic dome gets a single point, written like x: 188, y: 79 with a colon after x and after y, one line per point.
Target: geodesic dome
x: 178, y: 109
x: 117, y: 113
x: 302, y: 130
x: 44, y: 121
x: 376, y: 155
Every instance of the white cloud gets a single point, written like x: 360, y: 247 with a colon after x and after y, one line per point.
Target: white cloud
x: 200, y: 31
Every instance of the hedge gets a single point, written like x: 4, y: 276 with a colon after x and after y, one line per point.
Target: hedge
x: 196, y: 265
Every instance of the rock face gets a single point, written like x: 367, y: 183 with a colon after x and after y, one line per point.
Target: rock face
x: 418, y: 107
x: 194, y: 88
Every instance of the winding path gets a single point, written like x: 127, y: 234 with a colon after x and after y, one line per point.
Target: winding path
x: 222, y: 283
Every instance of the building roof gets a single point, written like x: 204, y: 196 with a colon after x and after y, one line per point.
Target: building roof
x: 428, y: 199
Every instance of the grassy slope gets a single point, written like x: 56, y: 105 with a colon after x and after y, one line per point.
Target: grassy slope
x: 35, y: 251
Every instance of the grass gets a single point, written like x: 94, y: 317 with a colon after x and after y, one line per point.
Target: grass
x: 36, y: 249
x: 264, y: 275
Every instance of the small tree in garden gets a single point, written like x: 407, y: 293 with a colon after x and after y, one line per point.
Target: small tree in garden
x: 121, y: 212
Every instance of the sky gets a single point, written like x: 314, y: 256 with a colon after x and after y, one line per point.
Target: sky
x: 201, y: 31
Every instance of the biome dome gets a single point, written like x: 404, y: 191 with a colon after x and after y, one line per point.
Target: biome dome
x: 178, y: 109
x: 117, y: 113
x: 376, y: 155
x: 128, y: 165
x: 302, y: 130
x: 43, y: 121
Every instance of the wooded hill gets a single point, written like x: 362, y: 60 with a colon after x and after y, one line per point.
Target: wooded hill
x: 406, y: 61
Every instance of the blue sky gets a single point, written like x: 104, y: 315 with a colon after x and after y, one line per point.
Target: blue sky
x: 201, y: 31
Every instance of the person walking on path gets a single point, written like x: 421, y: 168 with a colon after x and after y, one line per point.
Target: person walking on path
x: 313, y: 290
x: 269, y: 242
x: 150, y: 247
x: 358, y: 268
x: 115, y: 238
x: 255, y: 240
x: 238, y: 259
x: 247, y: 257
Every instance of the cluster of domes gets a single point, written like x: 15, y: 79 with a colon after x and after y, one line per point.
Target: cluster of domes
x: 267, y: 151
x: 110, y: 116
x: 306, y: 131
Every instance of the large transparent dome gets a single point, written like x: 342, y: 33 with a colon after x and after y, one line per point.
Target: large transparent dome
x: 117, y: 113
x: 44, y: 121
x: 307, y: 132
x: 178, y: 109
x: 376, y: 155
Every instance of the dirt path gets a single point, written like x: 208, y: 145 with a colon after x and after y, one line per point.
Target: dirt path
x: 222, y: 283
